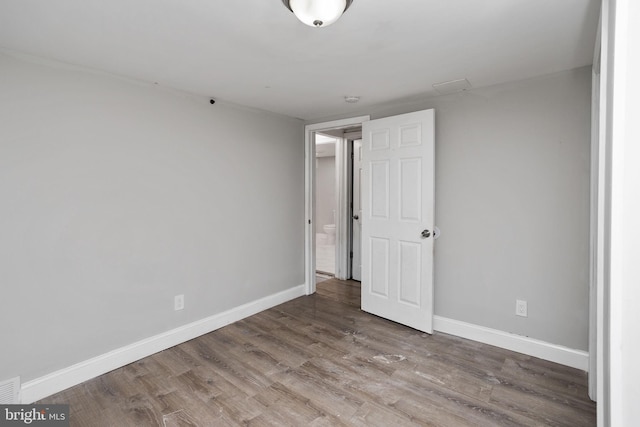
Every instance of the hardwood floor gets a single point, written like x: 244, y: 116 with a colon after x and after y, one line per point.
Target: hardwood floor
x: 320, y: 361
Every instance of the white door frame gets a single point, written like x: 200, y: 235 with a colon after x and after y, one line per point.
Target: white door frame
x: 310, y: 195
x: 596, y: 249
x: 343, y: 200
x: 355, y: 247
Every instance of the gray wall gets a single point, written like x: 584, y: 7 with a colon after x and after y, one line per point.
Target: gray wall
x: 325, y: 191
x: 512, y: 202
x: 115, y: 196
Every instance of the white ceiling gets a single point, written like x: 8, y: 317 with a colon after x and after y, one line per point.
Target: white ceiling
x: 256, y: 53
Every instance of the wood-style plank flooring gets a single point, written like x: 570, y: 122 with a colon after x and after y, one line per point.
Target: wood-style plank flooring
x: 320, y: 361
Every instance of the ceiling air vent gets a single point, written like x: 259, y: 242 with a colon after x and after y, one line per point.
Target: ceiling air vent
x: 10, y: 391
x: 452, y: 86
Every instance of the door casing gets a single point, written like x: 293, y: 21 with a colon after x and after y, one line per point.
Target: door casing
x: 310, y: 193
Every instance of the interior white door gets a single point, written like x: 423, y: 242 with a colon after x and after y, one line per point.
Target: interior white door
x: 398, y: 218
x: 356, y: 246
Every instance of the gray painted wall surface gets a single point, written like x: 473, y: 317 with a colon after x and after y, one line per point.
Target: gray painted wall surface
x: 512, y: 202
x: 115, y: 196
x: 325, y: 192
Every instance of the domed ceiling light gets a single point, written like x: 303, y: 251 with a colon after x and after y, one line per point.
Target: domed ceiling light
x: 318, y: 13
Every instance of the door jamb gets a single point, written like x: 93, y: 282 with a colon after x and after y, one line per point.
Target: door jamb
x: 596, y: 244
x: 343, y: 196
x: 350, y: 141
x: 310, y: 192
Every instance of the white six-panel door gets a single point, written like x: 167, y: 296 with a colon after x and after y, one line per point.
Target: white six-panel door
x: 398, y: 218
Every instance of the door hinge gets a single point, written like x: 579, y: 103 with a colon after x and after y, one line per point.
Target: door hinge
x: 351, y: 254
x: 309, y: 222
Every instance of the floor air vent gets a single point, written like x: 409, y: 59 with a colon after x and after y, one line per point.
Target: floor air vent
x: 10, y: 391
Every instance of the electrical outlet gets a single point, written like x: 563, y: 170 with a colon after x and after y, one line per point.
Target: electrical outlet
x: 178, y: 302
x: 521, y: 308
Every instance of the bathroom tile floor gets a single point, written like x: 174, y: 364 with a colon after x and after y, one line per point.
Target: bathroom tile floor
x: 325, y: 255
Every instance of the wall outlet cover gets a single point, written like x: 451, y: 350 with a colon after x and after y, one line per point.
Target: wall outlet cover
x: 521, y: 308
x: 178, y: 302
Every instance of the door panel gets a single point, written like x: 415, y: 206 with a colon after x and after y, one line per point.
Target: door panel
x: 409, y: 273
x: 379, y: 263
x: 410, y: 206
x: 379, y: 206
x: 379, y: 140
x: 398, y: 204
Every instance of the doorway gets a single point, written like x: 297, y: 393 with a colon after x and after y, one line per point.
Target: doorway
x: 326, y: 197
x: 338, y: 177
x: 344, y: 215
x: 398, y: 173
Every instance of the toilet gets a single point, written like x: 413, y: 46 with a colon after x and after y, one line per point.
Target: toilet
x: 330, y: 231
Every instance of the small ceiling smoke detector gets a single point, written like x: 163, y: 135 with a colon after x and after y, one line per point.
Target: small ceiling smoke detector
x: 452, y: 86
x: 351, y: 99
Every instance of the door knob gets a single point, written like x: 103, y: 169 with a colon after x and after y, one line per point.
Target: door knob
x: 425, y: 234
x: 356, y: 217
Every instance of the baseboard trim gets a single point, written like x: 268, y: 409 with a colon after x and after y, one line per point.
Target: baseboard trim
x: 57, y: 381
x: 555, y: 353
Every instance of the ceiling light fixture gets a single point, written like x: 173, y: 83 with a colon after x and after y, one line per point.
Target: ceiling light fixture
x: 318, y: 13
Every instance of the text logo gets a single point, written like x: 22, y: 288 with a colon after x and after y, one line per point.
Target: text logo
x: 34, y: 415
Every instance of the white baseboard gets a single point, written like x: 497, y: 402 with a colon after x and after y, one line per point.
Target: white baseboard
x: 555, y: 353
x: 55, y: 382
